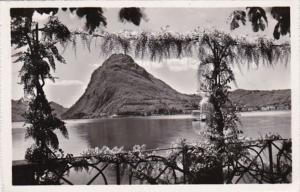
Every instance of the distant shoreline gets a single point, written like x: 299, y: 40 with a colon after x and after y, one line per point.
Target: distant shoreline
x: 157, y: 115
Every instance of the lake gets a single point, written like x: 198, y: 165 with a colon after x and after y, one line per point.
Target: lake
x: 154, y: 131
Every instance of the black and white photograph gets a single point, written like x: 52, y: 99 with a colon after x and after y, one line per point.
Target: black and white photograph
x: 146, y: 95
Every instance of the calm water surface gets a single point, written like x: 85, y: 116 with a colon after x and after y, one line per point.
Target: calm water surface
x: 155, y: 131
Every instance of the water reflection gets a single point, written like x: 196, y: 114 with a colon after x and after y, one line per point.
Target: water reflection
x: 128, y: 132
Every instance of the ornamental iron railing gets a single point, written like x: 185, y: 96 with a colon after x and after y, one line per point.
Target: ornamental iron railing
x: 259, y: 161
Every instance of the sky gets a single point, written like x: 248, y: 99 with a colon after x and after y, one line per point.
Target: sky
x: 180, y: 74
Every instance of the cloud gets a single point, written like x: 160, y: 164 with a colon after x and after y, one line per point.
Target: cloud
x: 149, y: 64
x: 95, y: 65
x: 66, y: 83
x: 182, y: 64
x: 175, y: 64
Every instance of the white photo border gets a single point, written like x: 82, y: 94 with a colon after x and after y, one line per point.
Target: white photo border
x: 5, y: 97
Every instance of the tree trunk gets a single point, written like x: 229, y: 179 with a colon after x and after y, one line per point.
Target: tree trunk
x: 216, y: 175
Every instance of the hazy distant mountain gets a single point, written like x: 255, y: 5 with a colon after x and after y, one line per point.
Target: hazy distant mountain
x: 259, y: 98
x: 120, y: 86
x: 20, y: 106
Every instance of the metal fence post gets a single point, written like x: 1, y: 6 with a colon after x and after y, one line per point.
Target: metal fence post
x: 271, y: 174
x: 130, y: 176
x: 184, y: 164
x: 118, y: 177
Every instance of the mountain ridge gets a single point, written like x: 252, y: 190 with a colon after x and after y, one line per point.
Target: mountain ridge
x: 19, y: 107
x: 261, y: 98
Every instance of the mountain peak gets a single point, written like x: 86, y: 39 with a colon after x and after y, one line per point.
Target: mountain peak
x: 121, y: 86
x: 119, y: 59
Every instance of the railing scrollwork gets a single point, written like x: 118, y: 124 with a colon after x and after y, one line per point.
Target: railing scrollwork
x: 259, y: 161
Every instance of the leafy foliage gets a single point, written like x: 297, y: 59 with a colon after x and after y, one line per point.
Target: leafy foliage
x: 131, y: 14
x: 165, y: 45
x: 94, y: 17
x: 147, y: 166
x: 38, y: 54
x: 36, y: 49
x: 194, y: 163
x: 54, y: 30
x: 282, y: 15
x: 258, y: 19
x: 28, y: 12
x: 237, y: 16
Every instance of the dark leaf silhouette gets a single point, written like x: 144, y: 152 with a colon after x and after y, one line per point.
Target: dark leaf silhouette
x: 257, y: 17
x: 259, y: 21
x: 282, y: 15
x: 47, y: 11
x: 28, y: 12
x: 21, y: 12
x: 131, y: 14
x: 55, y: 30
x: 94, y: 17
x: 237, y: 17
